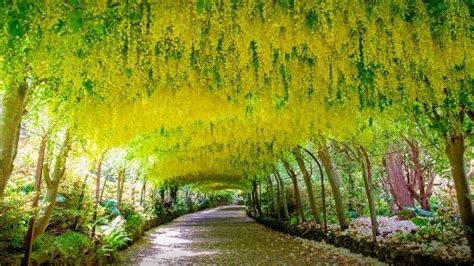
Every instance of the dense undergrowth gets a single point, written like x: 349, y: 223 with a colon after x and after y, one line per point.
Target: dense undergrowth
x: 437, y: 240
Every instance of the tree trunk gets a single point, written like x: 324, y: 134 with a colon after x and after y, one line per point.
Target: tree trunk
x: 52, y: 185
x: 309, y: 185
x: 256, y: 198
x: 253, y: 211
x: 350, y: 192
x: 120, y: 184
x: 103, y: 188
x: 173, y: 193
x: 334, y: 181
x: 323, y: 192
x: 394, y: 166
x: 455, y: 153
x: 143, y: 195
x: 133, y: 191
x: 299, y: 205
x: 162, y: 194
x: 418, y: 175
x: 31, y: 227
x: 12, y: 107
x: 283, y: 194
x: 270, y: 206
x: 274, y: 198
x: 367, y: 174
x: 97, y: 194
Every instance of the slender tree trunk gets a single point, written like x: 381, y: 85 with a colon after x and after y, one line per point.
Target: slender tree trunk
x: 103, y: 188
x: 31, y: 227
x: 274, y: 198
x: 174, y: 193
x: 12, y: 107
x: 455, y: 153
x: 323, y: 192
x: 394, y: 166
x: 143, y: 194
x: 299, y: 205
x: 334, y: 181
x: 133, y: 190
x: 309, y: 185
x: 52, y: 185
x: 283, y: 194
x: 251, y: 201
x: 367, y: 174
x: 256, y: 198
x: 351, y: 192
x: 120, y: 184
x: 154, y: 192
x: 277, y: 197
x: 270, y: 205
x: 97, y: 194
x: 418, y: 175
x: 162, y: 194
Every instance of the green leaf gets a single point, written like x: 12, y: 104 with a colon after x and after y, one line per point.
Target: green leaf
x: 419, y: 221
x: 76, y: 20
x: 60, y: 198
x: 14, y: 27
x: 311, y: 19
x: 203, y: 5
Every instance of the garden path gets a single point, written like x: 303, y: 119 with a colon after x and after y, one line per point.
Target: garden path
x: 224, y: 236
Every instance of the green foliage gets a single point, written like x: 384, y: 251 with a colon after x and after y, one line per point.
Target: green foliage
x: 67, y: 247
x: 13, y: 222
x: 114, y: 237
x: 115, y: 240
x: 111, y: 207
x: 438, y: 228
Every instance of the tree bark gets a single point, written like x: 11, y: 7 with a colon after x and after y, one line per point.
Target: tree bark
x: 283, y: 194
x: 12, y: 107
x: 133, y: 191
x: 103, y: 188
x: 173, y: 193
x: 120, y: 184
x: 334, y: 181
x: 397, y: 182
x: 256, y: 198
x: 367, y: 174
x: 31, y: 227
x: 274, y: 198
x: 299, y: 206
x: 97, y: 194
x: 253, y: 210
x: 52, y: 185
x: 143, y: 195
x: 309, y: 185
x: 323, y: 192
x: 423, y: 196
x: 455, y: 153
x: 351, y: 193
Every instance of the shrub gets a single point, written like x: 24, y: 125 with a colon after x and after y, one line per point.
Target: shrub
x: 67, y: 247
x: 13, y: 223
x: 114, y: 237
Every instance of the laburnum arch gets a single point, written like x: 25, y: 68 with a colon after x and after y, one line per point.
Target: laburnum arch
x: 217, y: 91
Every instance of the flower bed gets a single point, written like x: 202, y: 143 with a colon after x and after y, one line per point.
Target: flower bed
x: 393, y: 245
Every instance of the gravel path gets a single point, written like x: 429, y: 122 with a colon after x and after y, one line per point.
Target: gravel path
x: 226, y: 236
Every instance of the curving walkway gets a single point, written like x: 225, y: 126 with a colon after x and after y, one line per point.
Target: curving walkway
x: 224, y: 236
